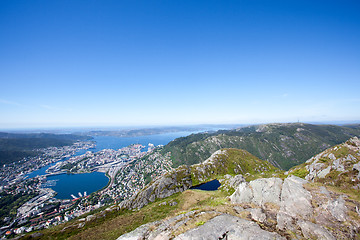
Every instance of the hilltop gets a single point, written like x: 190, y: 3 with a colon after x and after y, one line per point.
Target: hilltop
x: 283, y: 145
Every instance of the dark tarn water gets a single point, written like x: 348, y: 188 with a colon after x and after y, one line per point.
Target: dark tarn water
x: 209, y: 186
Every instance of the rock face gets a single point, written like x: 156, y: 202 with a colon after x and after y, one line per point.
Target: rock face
x: 295, y: 199
x: 313, y: 212
x: 314, y: 231
x: 222, y: 226
x: 259, y: 191
x: 228, y: 227
x: 339, y: 165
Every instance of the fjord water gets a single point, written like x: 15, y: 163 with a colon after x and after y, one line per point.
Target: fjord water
x: 109, y: 142
x: 67, y: 184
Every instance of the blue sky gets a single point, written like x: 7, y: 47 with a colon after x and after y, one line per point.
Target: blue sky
x: 121, y: 63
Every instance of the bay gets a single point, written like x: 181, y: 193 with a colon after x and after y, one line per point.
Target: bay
x: 67, y: 184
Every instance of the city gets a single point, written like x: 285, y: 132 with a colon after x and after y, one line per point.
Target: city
x: 129, y: 169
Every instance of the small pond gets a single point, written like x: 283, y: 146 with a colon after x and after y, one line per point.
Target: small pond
x: 208, y: 186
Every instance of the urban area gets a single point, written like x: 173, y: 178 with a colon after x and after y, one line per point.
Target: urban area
x: 34, y: 204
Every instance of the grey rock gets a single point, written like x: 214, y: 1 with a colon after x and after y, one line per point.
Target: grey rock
x: 331, y: 156
x: 311, y: 230
x: 236, y: 180
x: 314, y: 168
x: 242, y: 194
x: 238, y: 209
x: 266, y: 190
x: 351, y: 158
x: 285, y: 222
x: 295, y: 199
x: 90, y: 218
x: 173, y: 203
x: 228, y: 226
x: 259, y: 191
x: 324, y: 191
x: 338, y: 165
x: 357, y: 167
x: 81, y: 225
x: 137, y: 234
x: 324, y: 172
x: 257, y: 214
x: 338, y: 209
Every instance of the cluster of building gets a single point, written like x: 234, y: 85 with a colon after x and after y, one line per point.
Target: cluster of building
x: 103, y: 159
x: 129, y: 170
x: 134, y: 176
x: 16, y: 172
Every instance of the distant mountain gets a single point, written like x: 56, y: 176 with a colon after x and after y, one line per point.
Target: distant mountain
x: 14, y: 147
x: 156, y: 130
x: 284, y: 145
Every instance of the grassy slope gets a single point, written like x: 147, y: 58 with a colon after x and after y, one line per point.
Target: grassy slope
x: 282, y: 145
x: 233, y: 162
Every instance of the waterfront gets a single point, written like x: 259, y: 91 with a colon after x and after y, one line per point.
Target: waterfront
x: 67, y: 184
x: 42, y: 171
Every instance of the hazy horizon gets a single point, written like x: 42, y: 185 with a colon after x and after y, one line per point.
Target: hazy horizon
x: 123, y: 63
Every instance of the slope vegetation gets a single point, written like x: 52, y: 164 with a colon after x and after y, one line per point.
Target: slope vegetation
x: 284, y: 145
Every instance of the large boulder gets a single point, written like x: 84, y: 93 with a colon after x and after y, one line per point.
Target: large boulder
x: 259, y: 191
x: 228, y: 227
x: 314, y: 231
x: 295, y: 199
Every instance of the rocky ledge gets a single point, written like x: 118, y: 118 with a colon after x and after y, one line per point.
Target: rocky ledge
x: 266, y: 208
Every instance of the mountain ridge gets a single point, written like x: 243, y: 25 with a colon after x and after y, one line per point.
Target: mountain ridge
x: 283, y: 144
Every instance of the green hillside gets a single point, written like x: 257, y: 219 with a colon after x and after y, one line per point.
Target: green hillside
x: 284, y: 145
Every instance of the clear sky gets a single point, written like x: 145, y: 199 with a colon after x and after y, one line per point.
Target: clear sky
x: 120, y: 63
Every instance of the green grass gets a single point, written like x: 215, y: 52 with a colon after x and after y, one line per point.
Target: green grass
x: 200, y: 223
x: 301, y: 172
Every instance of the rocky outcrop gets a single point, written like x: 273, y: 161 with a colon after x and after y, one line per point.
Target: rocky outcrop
x: 306, y: 212
x: 176, y: 181
x: 259, y: 191
x: 220, y: 226
x: 228, y: 227
x: 338, y: 166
